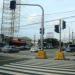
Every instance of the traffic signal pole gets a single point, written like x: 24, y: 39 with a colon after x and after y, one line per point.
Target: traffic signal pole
x: 41, y: 53
x: 42, y: 22
x: 60, y: 24
x: 60, y: 53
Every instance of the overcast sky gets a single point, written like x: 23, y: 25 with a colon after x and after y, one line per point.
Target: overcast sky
x: 53, y: 10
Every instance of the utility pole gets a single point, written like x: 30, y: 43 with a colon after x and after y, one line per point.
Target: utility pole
x: 34, y: 39
x: 72, y: 37
x: 69, y: 34
x: 2, y: 22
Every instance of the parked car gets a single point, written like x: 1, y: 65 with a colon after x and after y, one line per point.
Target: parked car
x: 70, y: 48
x: 63, y: 48
x: 1, y: 46
x: 27, y: 47
x: 19, y: 47
x: 9, y: 49
x: 22, y: 48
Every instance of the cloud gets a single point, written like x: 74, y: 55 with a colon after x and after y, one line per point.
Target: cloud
x: 33, y: 18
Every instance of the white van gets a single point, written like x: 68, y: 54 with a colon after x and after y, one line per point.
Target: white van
x: 34, y: 49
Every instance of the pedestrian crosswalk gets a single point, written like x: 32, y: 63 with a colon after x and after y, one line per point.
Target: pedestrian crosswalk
x: 38, y: 67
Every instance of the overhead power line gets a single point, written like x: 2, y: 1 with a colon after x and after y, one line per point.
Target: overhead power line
x: 61, y: 12
x: 51, y: 13
x: 55, y: 13
x: 24, y: 27
x: 33, y: 24
x: 50, y: 20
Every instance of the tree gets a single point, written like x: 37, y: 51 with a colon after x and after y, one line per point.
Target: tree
x: 50, y: 42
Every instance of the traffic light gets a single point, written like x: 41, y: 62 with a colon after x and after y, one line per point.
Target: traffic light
x: 12, y: 5
x: 57, y: 28
x: 41, y: 30
x: 63, y: 24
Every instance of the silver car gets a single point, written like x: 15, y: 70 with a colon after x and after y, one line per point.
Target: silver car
x: 9, y: 49
x: 70, y: 48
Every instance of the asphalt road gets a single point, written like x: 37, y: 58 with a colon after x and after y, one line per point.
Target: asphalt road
x: 27, y: 64
x: 31, y: 55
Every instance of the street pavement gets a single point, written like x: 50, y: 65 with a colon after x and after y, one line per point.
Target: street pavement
x: 35, y: 66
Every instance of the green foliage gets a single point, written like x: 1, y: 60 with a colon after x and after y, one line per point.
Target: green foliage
x: 50, y: 41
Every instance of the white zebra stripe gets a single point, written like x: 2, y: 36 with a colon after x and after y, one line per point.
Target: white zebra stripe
x: 43, y: 64
x: 12, y: 73
x: 22, y: 70
x: 36, y: 68
x: 30, y: 66
x: 45, y: 69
